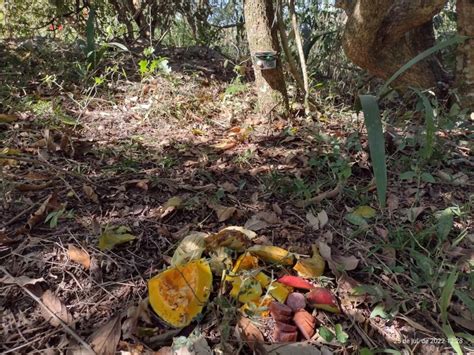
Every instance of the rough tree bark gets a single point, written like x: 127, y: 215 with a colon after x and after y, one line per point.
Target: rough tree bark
x: 261, y: 28
x: 465, y: 60
x: 382, y: 35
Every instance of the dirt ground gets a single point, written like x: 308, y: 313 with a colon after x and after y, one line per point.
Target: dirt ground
x: 75, y: 165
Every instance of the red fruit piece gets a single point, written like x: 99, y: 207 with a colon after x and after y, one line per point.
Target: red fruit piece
x: 284, y: 337
x: 283, y: 327
x: 280, y: 312
x: 322, y: 298
x: 305, y: 323
x: 296, y: 282
x: 296, y: 301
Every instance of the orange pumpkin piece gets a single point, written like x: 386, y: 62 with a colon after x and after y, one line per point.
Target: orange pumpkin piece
x: 178, y: 294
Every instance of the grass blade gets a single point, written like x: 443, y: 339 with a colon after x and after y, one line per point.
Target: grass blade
x: 373, y: 122
x: 430, y: 128
x: 452, y: 339
x: 423, y: 55
x: 446, y: 295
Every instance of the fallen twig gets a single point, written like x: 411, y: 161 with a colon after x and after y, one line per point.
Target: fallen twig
x: 322, y: 196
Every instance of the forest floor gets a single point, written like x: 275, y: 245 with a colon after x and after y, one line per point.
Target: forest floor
x: 157, y: 157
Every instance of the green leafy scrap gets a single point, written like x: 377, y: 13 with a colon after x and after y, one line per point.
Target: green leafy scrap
x: 112, y: 236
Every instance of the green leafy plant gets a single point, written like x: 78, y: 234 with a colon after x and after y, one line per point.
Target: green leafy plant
x: 53, y: 217
x: 148, y: 67
x: 235, y: 87
x: 370, y: 107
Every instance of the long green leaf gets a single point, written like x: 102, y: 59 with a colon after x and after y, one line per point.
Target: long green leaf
x: 430, y: 128
x: 446, y: 295
x: 452, y: 339
x: 423, y: 55
x: 373, y: 122
x: 118, y: 45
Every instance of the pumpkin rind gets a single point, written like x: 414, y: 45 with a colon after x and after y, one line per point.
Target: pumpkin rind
x: 178, y: 294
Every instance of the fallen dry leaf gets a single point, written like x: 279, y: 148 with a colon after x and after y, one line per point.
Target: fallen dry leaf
x: 229, y: 187
x: 112, y: 236
x: 8, y: 118
x: 50, y: 204
x: 319, y: 221
x: 382, y: 232
x: 277, y: 209
x: 463, y: 322
x: 90, y: 193
x: 5, y: 240
x: 392, y: 203
x: 225, y: 144
x: 323, y: 218
x: 311, y: 267
x: 34, y: 175
x: 337, y: 262
x: 79, y: 256
x: 412, y: 214
x: 54, y: 304
x: 169, y: 206
x: 255, y: 224
x: 142, y: 184
x: 32, y: 187
x: 223, y: 213
x: 349, y: 262
x: 104, y: 340
x: 268, y: 216
x: 250, y: 333
x: 456, y: 179
x: 312, y: 219
x: 190, y: 248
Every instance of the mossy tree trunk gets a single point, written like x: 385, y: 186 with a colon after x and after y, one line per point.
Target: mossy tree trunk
x: 261, y: 27
x: 465, y: 60
x: 382, y: 35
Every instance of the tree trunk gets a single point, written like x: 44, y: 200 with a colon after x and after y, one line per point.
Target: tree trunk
x: 382, y: 35
x: 299, y: 46
x: 261, y: 28
x: 465, y: 60
x: 286, y: 48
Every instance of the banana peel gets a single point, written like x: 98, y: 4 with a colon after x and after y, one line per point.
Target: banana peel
x: 273, y: 254
x: 245, y: 262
